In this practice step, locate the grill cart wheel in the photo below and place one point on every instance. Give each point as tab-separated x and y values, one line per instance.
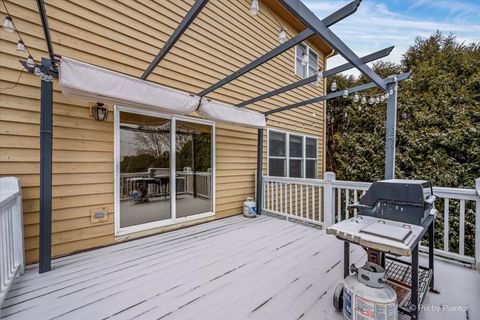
338	297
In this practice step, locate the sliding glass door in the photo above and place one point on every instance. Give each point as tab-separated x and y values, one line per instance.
164	169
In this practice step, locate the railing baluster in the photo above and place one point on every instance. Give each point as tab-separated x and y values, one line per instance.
347	202
313	203
446	229
355	200
339	205
296	200
276	196
320	204
290	198
462	228
301	201
307	213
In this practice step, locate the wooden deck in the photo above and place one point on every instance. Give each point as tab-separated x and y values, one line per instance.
235	268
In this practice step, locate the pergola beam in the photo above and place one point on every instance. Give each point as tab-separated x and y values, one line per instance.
301	12
46	29
302	36
339	93
368	58
342	13
187	20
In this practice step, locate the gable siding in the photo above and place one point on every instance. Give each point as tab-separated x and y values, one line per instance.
125	36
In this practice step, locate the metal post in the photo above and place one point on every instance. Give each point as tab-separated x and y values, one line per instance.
431	253
45	253
259	171
414	293
346	259
328	199
390	135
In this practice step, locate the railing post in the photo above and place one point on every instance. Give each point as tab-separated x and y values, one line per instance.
259	179
477	224
328	199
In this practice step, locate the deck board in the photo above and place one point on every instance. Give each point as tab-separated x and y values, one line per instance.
234	268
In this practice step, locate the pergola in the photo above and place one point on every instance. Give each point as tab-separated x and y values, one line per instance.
313	27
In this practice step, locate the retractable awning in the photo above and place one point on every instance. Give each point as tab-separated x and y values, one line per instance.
225	113
92	83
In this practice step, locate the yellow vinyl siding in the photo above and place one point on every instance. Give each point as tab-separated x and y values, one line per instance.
125	36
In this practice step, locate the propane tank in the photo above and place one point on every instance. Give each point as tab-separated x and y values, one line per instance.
366	295
249	208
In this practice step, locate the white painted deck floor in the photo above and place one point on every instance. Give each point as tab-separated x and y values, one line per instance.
234	268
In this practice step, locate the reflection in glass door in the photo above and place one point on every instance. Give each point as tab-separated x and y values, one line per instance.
164	169
193	168
144	169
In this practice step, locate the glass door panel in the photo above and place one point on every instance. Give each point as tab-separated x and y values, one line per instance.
193	168
144	169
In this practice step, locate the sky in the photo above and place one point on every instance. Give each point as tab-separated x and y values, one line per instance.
379	24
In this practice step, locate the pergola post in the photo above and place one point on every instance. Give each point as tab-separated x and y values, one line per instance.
45	244
258	196
390	135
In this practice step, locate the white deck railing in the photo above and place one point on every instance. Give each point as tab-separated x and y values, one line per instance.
324	202
11	233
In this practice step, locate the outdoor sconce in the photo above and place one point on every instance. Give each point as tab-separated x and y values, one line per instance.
99	112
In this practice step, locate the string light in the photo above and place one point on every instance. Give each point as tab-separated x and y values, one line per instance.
364	100
370	100
377	99
254	7
382	98
345	93
8	24
333	87
356	97
282	36
30	62
20	46
387	95
37	71
390	92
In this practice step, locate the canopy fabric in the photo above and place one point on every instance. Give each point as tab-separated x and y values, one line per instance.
92	83
230	114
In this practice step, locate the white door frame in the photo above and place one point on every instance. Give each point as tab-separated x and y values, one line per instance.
173	219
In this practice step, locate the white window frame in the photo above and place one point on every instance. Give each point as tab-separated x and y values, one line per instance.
308	64
119	231
287	152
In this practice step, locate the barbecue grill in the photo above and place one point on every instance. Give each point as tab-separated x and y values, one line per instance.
392	217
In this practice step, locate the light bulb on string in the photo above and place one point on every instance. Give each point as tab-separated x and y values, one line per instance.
377	100
333	87
8	24
282	36
304	59
382	98
359	107
30	62
345	93
43	76
364	100
390	92
254	7
370	100
356	97
387	95
50	78
20	46
37	71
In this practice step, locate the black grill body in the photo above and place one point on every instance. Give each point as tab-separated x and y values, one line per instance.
408	201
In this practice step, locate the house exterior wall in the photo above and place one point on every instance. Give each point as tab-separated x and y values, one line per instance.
124	36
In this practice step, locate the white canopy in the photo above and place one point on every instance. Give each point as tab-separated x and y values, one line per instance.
226	113
97	84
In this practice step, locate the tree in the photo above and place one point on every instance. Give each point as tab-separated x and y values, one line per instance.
438	125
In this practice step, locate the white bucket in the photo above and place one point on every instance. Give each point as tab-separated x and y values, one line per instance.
249	208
